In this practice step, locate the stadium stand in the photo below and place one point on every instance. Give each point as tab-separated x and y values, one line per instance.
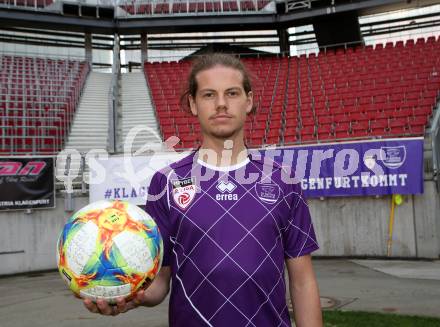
386	91
367	92
192	7
26	3
38	97
164	81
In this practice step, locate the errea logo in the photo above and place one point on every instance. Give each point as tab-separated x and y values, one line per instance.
226	187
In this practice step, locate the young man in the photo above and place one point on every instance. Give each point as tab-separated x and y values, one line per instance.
230	224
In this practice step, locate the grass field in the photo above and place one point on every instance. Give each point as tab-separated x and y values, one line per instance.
367	319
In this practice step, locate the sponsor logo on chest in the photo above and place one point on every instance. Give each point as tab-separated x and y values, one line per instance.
226	188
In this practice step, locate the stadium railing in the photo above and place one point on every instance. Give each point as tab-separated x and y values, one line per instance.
113	99
292	5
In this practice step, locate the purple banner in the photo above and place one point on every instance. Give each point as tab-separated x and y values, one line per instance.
353	169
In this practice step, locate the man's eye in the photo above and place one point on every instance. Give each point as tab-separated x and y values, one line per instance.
208	95
232	93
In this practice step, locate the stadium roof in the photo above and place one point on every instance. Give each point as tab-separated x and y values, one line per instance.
261	20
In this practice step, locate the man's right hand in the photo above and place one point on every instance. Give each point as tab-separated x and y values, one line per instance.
153	295
103	307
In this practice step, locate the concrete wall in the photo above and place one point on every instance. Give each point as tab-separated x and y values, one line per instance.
28	241
359	226
344	227
427	222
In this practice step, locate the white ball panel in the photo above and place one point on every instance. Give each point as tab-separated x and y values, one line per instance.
106	292
137	213
134	250
81	247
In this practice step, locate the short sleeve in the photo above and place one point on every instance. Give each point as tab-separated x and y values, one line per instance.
298	233
157	207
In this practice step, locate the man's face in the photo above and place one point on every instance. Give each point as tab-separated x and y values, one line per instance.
221	103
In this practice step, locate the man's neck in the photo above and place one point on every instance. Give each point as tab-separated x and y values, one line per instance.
228	152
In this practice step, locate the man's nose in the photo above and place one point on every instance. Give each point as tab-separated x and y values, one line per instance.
221	102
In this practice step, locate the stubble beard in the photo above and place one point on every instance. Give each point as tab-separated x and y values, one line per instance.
223	133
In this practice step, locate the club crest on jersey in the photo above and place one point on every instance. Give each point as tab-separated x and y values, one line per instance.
184	191
268	193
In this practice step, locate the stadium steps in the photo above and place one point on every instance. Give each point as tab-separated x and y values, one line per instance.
90	125
137	111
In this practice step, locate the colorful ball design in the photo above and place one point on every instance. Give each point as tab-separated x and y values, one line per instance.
109	249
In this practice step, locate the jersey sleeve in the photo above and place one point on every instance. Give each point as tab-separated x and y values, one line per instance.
298	233
157	207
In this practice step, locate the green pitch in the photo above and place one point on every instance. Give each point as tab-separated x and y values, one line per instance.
367	319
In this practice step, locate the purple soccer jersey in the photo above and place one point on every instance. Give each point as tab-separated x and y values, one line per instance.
227	232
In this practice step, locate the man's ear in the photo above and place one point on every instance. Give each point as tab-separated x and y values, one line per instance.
250	102
192	105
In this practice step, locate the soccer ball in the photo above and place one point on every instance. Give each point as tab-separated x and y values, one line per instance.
109	249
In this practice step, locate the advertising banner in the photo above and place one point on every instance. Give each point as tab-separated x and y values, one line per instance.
358	168
365	168
27	183
126	178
